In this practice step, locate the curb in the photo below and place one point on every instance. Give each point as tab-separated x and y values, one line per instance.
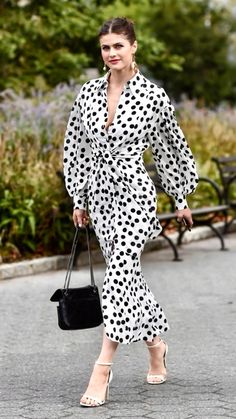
34	266
52	263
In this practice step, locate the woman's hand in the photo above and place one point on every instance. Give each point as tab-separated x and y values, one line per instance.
80	217
185	216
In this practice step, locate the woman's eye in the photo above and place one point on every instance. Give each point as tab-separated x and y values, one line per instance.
117	46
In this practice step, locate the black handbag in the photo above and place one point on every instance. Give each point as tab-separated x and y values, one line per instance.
78	308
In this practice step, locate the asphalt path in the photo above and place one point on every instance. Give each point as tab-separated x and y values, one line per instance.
45	370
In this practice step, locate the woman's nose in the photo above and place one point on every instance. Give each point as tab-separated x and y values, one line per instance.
112	53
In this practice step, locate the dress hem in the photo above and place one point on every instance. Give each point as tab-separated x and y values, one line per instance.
138	340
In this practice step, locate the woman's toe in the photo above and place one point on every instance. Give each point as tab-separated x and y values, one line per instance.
84	400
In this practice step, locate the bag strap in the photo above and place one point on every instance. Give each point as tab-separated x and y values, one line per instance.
88	235
72	256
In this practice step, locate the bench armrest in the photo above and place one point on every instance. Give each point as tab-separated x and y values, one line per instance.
215	186
231	180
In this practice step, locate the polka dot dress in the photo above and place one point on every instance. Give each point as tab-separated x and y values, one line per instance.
105	173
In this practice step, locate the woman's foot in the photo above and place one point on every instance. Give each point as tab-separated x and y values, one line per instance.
157	368
96	392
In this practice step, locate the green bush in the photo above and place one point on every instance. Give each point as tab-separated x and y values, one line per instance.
34	207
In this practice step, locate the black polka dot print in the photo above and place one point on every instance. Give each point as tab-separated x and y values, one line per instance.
104	173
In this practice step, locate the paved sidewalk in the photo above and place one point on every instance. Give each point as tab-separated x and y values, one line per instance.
44	370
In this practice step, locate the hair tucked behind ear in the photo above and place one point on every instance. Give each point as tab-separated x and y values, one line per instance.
119	25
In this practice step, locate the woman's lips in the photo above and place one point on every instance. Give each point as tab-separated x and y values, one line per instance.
114	61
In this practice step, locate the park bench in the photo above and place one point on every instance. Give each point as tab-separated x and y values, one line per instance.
227	171
209	191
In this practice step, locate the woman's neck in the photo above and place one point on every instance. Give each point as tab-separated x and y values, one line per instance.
120	77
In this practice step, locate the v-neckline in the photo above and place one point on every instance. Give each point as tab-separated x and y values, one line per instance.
106	95
116	110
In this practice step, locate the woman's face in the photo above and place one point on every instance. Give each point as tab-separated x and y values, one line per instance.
117	52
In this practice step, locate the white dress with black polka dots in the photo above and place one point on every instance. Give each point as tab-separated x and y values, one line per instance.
104	172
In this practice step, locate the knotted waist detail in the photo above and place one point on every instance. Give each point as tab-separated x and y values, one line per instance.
109	156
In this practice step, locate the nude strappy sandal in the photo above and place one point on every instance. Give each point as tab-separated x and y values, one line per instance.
158	378
95	401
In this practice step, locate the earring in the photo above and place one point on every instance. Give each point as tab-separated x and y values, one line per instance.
104	67
134	65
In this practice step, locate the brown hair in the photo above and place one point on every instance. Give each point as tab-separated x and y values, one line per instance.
119	25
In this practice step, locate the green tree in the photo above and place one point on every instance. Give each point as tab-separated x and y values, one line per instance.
45	42
200	33
51	41
184	44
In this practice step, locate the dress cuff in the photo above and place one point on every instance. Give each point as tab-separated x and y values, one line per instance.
181	203
80	202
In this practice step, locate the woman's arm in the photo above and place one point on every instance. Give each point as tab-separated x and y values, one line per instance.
77	156
174	160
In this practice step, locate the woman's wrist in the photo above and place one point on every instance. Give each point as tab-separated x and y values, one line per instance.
80	202
181	203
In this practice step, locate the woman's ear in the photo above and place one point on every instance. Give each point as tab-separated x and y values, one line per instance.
134	47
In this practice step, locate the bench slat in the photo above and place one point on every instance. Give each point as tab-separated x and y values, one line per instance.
208	210
229	169
196	211
224	159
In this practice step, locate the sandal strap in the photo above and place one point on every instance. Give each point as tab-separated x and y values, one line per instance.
108	364
151	378
156	344
161	376
95	399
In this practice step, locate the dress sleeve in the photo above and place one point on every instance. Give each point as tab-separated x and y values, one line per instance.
77	155
173	158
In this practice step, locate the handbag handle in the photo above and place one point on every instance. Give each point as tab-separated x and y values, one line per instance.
72	256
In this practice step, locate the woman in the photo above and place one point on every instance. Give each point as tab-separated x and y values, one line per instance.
113	121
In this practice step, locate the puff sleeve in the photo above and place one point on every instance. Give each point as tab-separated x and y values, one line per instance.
77	156
174	160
